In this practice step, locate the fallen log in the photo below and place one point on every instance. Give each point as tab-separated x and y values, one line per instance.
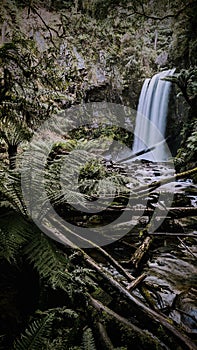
104	253
145	293
143	336
104	337
147	314
143	190
171	234
141	309
177	212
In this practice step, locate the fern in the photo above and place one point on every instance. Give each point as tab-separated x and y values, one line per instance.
11	193
14	234
88	340
44	255
60	312
59	338
36	334
53	266
63	281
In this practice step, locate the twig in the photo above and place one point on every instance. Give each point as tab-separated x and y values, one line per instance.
136	282
186	247
156	18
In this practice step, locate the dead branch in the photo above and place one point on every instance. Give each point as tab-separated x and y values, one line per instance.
141	251
141	309
131	286
187	248
142	335
103	252
150	315
157	18
104	337
178	212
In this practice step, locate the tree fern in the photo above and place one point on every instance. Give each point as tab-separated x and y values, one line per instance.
36	334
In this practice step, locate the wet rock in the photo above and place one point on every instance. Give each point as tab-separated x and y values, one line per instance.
174	273
185	305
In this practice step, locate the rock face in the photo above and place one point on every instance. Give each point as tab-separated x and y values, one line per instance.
106	58
177	111
104	52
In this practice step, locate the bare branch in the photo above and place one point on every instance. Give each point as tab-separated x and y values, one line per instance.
156	18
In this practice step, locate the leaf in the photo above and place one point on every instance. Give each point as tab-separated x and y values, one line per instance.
14	234
44	255
36	334
88	340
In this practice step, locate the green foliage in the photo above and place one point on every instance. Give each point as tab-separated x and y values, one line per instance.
186	80
14	235
35	335
186	156
14	133
28	96
42	332
192	144
88	340
45	257
183	47
11	192
96	179
37	82
104	132
20	239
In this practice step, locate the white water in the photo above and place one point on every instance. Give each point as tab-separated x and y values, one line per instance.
151	117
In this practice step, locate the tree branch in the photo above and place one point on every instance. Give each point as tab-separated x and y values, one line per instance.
156	18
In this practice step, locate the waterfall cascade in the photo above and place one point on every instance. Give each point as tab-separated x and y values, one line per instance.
151	117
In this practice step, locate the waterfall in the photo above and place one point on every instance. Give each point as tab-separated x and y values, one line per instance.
151	117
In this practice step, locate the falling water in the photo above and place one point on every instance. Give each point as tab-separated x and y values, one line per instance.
151	117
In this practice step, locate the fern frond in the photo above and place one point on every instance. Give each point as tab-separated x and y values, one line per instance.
14	133
62	280
88	340
11	192
60	312
36	334
52	265
14	234
44	255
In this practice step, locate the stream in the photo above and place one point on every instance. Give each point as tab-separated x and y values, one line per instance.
170	265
